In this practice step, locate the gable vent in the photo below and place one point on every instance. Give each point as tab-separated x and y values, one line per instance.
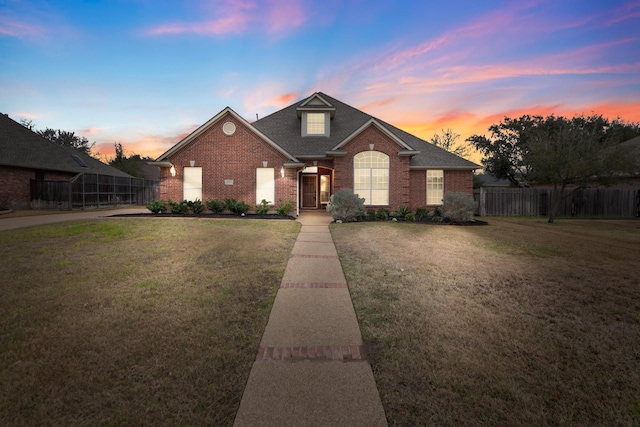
229	128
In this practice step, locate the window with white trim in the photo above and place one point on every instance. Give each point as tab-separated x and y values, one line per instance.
265	185
315	124
371	177
435	186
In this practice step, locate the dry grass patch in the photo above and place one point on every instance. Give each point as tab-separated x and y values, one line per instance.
134	321
517	323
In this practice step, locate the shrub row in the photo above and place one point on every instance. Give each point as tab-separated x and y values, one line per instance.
217	206
346	206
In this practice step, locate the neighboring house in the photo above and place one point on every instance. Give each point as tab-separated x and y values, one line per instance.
487	180
305	153
26	156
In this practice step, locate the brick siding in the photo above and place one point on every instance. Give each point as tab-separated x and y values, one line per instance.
15	185
398	166
224	157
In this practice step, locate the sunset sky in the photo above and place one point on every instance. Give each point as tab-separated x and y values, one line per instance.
147	72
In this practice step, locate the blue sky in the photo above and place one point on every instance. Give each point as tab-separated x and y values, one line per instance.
147	72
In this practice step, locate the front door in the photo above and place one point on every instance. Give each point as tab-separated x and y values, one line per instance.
309	191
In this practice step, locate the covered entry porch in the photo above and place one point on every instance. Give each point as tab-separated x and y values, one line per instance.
316	187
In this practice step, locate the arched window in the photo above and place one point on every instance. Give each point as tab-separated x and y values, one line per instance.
371	177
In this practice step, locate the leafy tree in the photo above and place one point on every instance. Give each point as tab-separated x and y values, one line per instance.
448	140
130	164
558	151
67	138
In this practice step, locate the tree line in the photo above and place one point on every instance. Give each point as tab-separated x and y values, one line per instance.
565	153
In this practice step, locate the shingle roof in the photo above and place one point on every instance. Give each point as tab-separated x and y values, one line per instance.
283	127
22	147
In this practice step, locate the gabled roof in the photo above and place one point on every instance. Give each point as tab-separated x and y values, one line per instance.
164	158
21	147
283	126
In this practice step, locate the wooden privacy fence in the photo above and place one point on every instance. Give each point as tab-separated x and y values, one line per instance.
92	191
589	202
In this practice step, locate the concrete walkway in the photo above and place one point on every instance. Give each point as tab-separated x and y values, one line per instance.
310	368
27	221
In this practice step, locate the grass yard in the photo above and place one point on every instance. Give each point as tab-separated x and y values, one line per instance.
517	323
134	321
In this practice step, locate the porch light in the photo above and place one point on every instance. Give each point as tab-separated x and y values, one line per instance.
282	171
172	170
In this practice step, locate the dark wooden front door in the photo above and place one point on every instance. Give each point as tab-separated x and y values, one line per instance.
309	191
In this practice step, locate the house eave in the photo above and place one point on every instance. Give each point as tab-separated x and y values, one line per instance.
161	164
377	124
408	153
470	168
294	165
336	153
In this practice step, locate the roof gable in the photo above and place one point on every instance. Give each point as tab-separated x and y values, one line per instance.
283	127
211	122
378	125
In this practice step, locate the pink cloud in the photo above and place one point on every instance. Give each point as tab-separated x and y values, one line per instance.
19	29
237	16
284	99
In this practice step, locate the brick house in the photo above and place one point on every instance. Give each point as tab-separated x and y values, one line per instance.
307	151
26	156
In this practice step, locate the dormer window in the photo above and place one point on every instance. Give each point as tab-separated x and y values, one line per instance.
316	114
315	124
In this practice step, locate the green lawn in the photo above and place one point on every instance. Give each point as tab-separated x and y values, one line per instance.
518	323
134	321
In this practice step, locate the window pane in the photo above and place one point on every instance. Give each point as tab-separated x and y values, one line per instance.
435	187
371	177
265	185
315	123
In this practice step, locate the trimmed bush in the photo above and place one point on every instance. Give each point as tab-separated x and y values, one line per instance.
178	207
196	206
422	214
156	206
458	207
370	214
284	208
382	214
263	207
345	205
215	206
236	207
403	211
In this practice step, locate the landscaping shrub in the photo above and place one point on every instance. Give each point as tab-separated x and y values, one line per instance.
178	207
263	207
196	206
236	207
410	217
284	208
157	206
437	215
403	211
370	214
422	214
382	214
458	207
215	206
345	205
